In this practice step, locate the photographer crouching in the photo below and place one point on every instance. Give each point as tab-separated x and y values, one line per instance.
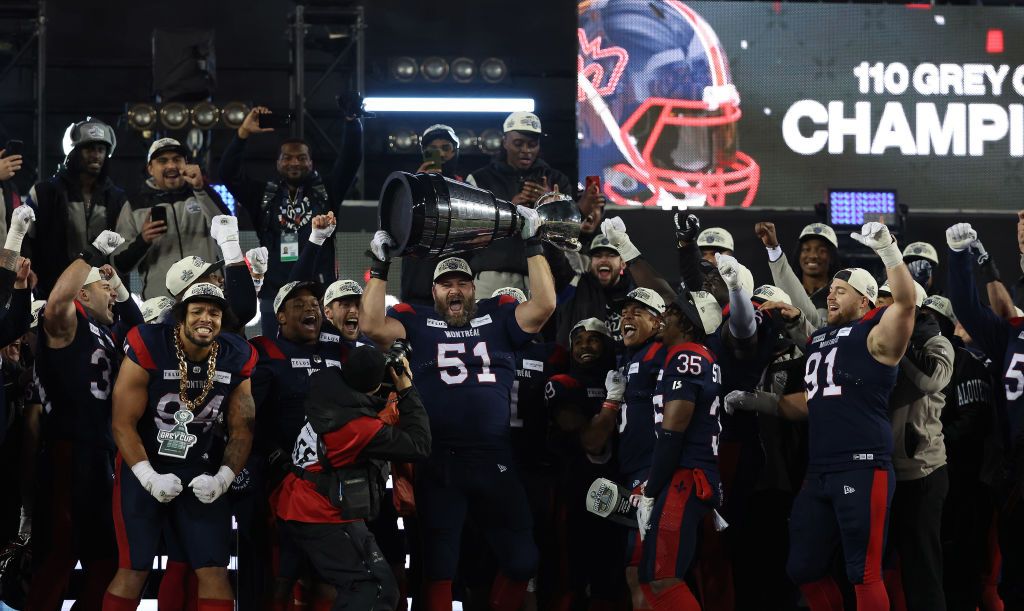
340	471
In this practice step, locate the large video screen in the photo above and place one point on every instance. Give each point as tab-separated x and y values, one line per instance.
772	104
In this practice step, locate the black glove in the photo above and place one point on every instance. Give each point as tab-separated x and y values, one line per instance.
987	268
687	226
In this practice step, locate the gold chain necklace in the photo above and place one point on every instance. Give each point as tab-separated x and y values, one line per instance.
211	371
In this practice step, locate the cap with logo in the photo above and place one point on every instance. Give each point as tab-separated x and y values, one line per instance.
154	309
941	306
819	230
86	132
439	130
37	309
602	242
595	325
715	237
186	271
919	293
648	298
512	292
526	122
861	280
770	292
342	288
701	309
286	291
203	291
921	250
452	265
163	145
94	276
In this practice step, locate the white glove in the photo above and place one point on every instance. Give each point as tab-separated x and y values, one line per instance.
531	221
644	509
25	523
258	258
224	229
107	241
615	230
318	236
876	236
381	245
729	268
208	488
21	222
163	486
122	292
960	236
758	401
615	384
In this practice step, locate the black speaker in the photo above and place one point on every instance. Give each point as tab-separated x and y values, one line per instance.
184	65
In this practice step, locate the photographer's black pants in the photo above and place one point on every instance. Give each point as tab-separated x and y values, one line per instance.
347	557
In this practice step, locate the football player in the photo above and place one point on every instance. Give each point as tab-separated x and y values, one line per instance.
463	363
180	386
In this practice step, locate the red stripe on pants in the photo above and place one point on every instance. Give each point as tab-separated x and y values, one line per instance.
876	538
124	556
666	550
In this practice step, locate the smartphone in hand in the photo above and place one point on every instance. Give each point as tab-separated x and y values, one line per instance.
276	120
13	147
434	157
158	213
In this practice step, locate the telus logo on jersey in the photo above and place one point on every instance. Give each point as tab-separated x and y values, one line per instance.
438	324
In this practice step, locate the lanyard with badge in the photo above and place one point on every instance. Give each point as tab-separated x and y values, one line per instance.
176	442
290	219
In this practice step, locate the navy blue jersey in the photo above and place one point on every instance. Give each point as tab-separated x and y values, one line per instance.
152	348
465	374
76	382
535	363
691	374
636	414
847	398
280	383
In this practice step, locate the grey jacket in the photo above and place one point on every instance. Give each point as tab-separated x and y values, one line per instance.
916	427
785	278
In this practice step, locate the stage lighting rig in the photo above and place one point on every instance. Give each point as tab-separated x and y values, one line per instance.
463	69
205	115
493	70
142	117
403	141
174	115
434	69
233	114
490	141
404	69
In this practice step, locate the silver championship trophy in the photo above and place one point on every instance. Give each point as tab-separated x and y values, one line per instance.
610	500
431	216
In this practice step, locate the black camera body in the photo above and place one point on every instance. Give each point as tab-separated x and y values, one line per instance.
393	357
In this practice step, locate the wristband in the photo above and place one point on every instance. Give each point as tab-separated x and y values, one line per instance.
774	253
257	284
232	252
534	247
379	269
890	255
987	269
14	240
612	405
92	255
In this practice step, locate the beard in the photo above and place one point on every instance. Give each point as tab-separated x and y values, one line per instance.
456	320
202	343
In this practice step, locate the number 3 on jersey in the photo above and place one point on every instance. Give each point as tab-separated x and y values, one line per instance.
448	359
811	375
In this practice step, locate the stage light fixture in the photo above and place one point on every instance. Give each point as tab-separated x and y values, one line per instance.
493	70
403	141
490	141
434	69
467	140
463	70
205	115
450	105
174	115
142	116
404	69
233	114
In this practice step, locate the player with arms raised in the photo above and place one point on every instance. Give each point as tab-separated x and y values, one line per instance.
463	361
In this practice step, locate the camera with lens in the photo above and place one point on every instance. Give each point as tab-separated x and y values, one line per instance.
351	104
399	350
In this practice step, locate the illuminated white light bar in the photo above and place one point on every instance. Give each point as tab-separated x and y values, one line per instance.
448	104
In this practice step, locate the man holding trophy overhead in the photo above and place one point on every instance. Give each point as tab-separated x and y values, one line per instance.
462	361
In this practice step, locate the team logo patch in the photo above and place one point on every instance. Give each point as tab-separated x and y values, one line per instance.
849	490
440	324
193	207
844	331
302	363
480	321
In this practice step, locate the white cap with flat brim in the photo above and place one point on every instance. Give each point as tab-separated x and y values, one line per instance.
941	306
342	288
861	280
648	298
186	271
452	265
511	291
770	292
715	237
919	293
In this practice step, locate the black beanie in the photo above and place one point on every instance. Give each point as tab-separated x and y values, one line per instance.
364	369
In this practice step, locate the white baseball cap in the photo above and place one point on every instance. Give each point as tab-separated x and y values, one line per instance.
452	264
940	305
919	293
186	271
715	237
861	280
526	122
648	298
154	309
770	292
285	291
94	276
923	250
165	144
601	241
590	324
512	292
37	309
701	309
341	288
439	130
819	230
203	291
